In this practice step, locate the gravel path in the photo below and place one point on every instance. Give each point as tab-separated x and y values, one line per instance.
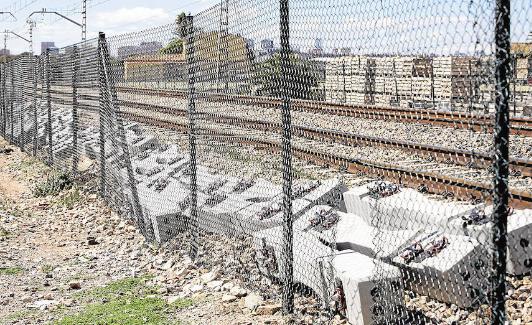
61	257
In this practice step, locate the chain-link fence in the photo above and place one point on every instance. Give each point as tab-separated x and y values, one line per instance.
368	159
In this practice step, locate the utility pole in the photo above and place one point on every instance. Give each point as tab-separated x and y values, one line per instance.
83	25
5	46
31	25
223	50
84	21
17	35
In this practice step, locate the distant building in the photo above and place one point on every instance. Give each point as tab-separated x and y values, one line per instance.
154	66
150	47
316	52
266	46
5	52
250	43
345	51
46	45
523	49
318	43
127	51
143	48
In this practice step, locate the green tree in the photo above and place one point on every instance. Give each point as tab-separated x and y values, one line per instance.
301	79
176	45
181	25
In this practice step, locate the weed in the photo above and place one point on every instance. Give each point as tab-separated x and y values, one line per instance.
70	199
10	270
15	212
47	268
18	315
126	301
120	288
3	233
53	185
131	311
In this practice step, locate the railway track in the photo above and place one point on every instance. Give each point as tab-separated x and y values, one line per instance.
431	182
462	120
519	167
518	125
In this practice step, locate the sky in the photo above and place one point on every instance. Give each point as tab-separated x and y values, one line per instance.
110	16
366	26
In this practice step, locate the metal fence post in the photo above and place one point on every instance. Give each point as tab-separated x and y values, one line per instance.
49	109
288	292
110	85
501	130
193	221
3	93
75	120
35	121
12	103
22	136
103	102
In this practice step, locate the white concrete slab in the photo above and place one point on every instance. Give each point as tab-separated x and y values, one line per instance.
309	253
520	242
353	233
367	303
407	209
458	274
223	217
328	192
142	143
262	190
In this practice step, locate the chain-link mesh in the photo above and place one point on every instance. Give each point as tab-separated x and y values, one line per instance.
336	156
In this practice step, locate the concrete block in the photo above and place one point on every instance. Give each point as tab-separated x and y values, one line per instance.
405	209
456	274
320	221
327	192
142	143
166	227
236	215
223	218
165	202
519	235
366	302
309	268
92	149
168	210
354	204
238	186
155	165
520	242
261	191
263	215
476	224
353	233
